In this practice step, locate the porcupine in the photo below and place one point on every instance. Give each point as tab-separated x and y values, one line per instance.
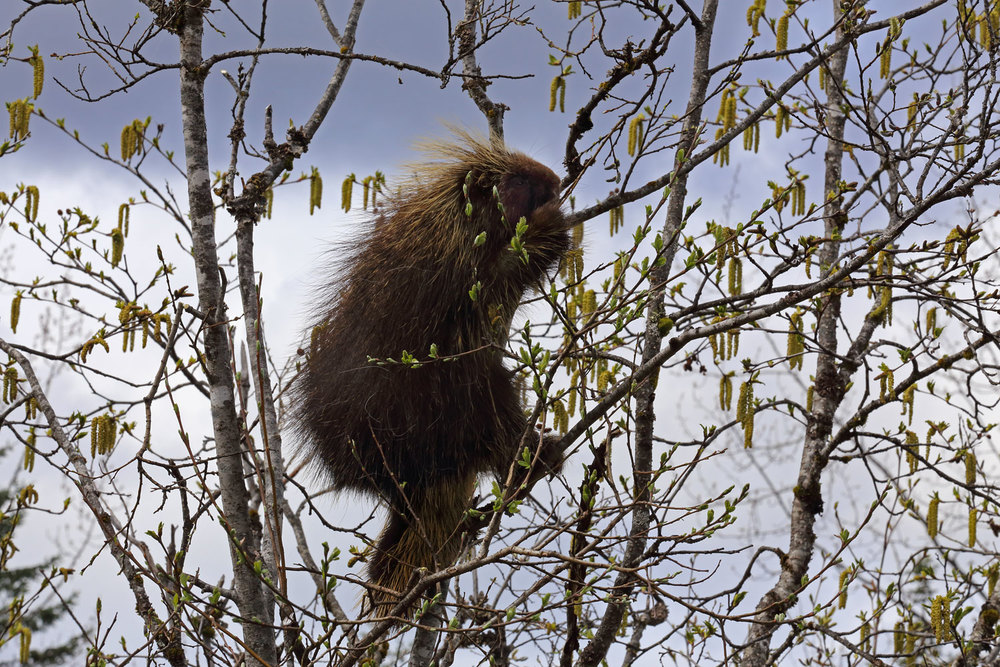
436	269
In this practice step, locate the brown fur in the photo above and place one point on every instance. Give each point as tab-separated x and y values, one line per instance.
417	438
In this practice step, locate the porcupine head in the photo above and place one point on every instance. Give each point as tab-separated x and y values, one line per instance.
435	280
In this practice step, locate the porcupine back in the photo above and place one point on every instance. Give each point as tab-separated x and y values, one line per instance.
417	437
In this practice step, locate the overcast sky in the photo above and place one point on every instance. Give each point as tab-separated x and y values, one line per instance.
380	113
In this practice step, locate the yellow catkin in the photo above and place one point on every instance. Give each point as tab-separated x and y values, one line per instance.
560	418
127	142
796	341
24	111
635	133
123	218
782	33
597	369
617	218
269	202
605	380
885	307
9	385
315	191
723	109
29	457
963	20
117	246
722	243
726	392
911	113
161	318
748	431
15	311
732	343
895	27
810	393
94	428
842	600
557	83
741	402
911	646
941	618
745	412
970	468
567	267
723	154
20	118
132	139
103	432
899	638
992	575
140	134
575	381
779	120
754	14
907	400
886	383
932	516
735	276
751	138
973	516
936	617
911	451
25	652
37	72
574	9
885	61
31	196
346	190
377	184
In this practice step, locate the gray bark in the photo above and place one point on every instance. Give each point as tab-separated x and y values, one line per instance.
167	639
251	601
829	390
645	393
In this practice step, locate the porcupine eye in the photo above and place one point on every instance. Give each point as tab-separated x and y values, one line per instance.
520	197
